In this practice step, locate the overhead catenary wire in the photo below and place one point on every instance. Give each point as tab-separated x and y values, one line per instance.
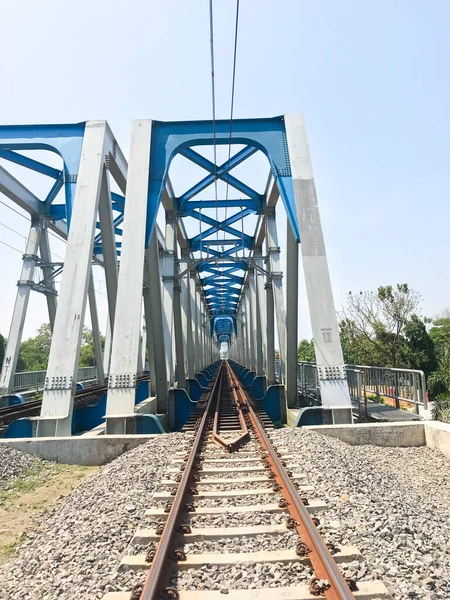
25	238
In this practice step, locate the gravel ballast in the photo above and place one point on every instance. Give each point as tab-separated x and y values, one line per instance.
392	503
14	464
75	551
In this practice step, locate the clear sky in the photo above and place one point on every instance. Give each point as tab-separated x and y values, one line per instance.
372	79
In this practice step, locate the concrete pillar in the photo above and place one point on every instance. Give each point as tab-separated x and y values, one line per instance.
155	324
168	279
108	247
270	334
44	249
20	310
96	331
261	310
329	357
273	252
291	317
127	322
59	391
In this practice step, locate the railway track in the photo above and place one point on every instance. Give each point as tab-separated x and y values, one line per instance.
83	397
235	474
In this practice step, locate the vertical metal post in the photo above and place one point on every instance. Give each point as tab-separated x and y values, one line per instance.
20	310
59	391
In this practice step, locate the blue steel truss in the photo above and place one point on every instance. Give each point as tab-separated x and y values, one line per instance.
223	271
65	140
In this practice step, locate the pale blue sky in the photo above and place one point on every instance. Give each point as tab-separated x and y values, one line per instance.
372	79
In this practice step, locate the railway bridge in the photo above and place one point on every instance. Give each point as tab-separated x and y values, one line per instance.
201	350
208	283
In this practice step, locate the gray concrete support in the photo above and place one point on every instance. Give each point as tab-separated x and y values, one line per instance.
270	317
44	249
20	309
155	327
261	309
273	252
291	317
329	357
108	248
57	403
96	331
127	322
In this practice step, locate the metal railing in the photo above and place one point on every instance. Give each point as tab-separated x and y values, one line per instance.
35	380
406	387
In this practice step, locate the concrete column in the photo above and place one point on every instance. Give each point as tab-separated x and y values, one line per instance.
155	324
291	317
59	392
178	329
261	310
20	310
168	278
107	351
329	357
150	341
187	305
44	249
108	248
270	334
127	322
96	331
256	320
273	252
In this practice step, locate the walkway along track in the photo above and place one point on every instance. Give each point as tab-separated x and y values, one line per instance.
227	423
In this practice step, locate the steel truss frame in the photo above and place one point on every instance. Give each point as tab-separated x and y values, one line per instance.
197	292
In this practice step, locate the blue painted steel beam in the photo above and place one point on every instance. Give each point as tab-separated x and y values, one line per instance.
212	204
29	163
218	172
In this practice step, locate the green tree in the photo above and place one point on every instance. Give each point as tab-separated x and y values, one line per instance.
87	353
306	352
440	332
374	323
419	350
34	352
2	349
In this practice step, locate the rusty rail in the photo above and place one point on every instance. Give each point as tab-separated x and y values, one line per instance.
216	437
328	576
161	565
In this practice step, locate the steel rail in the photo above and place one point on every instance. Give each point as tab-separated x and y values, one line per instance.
217	438
27	409
321	559
160	565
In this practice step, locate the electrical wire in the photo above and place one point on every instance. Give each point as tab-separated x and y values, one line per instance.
25	238
12	247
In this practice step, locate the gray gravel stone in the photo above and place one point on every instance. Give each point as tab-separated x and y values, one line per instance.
76	549
14	463
392	503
